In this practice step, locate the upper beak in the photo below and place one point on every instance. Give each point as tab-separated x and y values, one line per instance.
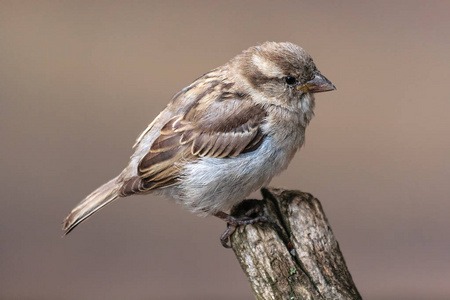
318	84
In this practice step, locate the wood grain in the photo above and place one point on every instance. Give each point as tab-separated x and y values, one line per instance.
299	257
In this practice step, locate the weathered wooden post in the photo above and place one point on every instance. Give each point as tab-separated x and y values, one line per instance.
300	259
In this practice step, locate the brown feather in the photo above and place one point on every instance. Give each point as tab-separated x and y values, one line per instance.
165	142
188	136
209	145
255	143
221	143
191	134
163	174
243	142
155	161
199	144
168	128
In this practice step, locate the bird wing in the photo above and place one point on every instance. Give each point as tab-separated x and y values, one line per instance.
219	124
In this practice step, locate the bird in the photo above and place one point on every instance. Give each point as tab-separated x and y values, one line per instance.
222	137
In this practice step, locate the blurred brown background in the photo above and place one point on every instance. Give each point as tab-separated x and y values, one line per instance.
79	80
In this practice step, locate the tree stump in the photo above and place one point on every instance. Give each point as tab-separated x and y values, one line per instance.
298	258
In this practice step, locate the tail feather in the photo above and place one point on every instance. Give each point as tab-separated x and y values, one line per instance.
98	199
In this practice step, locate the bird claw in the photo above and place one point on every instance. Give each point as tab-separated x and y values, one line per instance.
225	237
233	223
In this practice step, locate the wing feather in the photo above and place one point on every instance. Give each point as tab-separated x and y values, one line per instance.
211	126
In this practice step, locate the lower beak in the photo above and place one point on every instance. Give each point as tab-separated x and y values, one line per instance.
317	85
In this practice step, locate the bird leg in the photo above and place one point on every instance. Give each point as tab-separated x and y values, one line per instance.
234	222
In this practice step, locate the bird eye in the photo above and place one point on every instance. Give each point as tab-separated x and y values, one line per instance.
290	80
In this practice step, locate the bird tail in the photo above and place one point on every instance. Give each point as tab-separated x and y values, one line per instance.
98	199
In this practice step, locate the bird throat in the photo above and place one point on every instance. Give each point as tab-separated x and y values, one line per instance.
306	107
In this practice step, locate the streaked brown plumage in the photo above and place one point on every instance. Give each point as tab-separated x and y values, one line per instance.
187	137
223	136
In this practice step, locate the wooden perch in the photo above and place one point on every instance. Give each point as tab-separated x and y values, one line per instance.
300	259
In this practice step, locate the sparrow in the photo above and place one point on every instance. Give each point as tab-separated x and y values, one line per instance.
222	137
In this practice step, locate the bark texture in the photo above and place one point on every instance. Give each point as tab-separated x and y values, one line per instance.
298	258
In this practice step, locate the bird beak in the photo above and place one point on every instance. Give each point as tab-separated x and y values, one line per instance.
317	85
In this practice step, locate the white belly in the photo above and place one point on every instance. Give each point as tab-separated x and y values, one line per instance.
214	184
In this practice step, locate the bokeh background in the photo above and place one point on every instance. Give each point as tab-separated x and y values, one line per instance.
79	80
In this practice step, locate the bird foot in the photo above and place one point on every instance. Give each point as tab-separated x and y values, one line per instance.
234	222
